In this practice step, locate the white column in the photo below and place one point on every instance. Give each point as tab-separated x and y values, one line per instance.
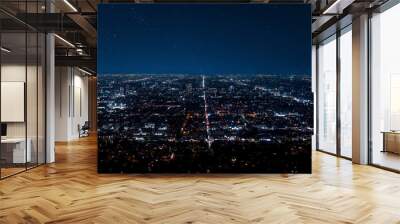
314	90
50	99
360	90
50	92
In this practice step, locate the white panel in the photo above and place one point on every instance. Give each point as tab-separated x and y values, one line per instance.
12	101
77	112
395	102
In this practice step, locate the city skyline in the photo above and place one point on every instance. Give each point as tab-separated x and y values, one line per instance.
204	88
185	123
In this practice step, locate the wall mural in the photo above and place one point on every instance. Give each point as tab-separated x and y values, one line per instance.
204	88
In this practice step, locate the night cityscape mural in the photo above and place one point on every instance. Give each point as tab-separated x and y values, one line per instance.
204	88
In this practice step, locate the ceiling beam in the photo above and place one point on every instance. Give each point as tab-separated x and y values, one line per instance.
85	25
78	61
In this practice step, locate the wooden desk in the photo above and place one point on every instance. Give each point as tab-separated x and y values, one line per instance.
13	150
391	141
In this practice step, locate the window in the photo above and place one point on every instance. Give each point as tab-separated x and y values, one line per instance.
346	92
385	89
327	95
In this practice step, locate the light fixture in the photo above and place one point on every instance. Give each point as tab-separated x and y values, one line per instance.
329	9
5	50
70	5
79	51
64	40
84	71
337	7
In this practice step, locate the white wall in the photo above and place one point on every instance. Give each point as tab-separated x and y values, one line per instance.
16	73
71	102
62	82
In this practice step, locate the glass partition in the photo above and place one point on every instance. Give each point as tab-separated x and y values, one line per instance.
22	91
14	153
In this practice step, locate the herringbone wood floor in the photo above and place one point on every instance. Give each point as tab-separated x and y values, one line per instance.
71	191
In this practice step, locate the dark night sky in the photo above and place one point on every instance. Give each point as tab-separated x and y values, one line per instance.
204	38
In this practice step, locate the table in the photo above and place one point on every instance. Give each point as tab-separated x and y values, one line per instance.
391	141
13	150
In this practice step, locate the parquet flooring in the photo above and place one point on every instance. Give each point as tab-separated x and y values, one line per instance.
71	191
5	172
